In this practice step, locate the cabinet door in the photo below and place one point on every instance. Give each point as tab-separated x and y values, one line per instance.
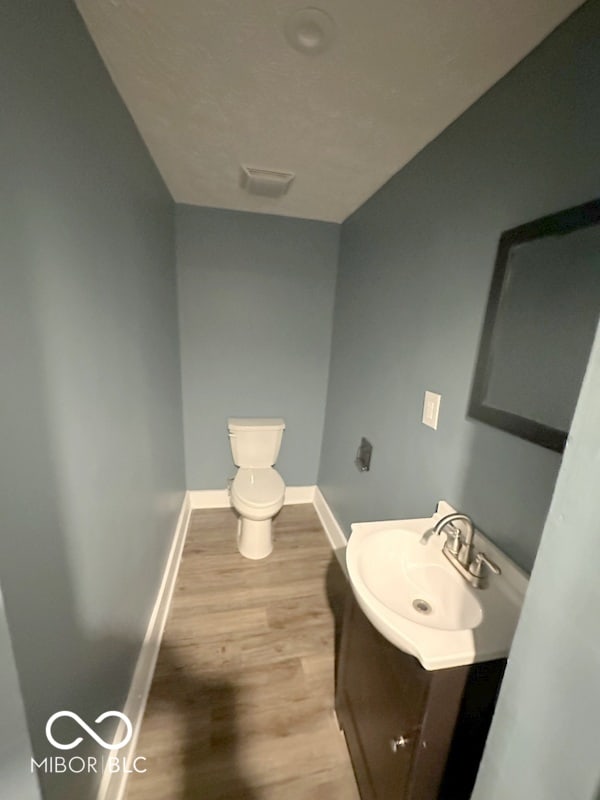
444	716
380	698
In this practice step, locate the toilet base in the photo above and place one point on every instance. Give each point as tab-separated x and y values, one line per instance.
254	538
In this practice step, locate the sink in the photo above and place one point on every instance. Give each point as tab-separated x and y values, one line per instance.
415	598
409	579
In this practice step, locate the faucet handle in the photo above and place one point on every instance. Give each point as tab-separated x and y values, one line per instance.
476	566
454	541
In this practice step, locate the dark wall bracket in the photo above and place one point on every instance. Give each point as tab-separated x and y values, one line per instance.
363	455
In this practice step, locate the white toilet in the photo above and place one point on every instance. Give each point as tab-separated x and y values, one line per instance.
257	490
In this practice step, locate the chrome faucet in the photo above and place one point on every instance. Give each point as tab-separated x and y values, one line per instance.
459	548
459	551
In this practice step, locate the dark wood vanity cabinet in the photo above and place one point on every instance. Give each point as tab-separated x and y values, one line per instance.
412	734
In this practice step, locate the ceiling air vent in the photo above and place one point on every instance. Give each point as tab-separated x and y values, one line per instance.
265	182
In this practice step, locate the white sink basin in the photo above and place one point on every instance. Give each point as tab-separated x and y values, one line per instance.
408	578
416	599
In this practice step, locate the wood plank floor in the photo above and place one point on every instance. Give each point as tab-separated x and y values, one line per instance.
241	707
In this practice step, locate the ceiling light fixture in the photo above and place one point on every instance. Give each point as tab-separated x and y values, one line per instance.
309	30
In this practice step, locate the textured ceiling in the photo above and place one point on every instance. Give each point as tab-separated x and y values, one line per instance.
212	84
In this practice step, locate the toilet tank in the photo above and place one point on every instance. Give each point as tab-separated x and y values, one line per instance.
255	441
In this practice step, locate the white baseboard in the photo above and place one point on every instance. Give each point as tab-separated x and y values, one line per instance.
331	526
209	498
112	785
219	498
299	494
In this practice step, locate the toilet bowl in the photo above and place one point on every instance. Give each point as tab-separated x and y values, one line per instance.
257	495
257	491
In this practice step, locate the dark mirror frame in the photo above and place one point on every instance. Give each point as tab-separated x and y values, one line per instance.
563	222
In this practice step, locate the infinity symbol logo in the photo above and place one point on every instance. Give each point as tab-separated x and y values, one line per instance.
88	730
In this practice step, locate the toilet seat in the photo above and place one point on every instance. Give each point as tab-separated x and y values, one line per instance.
258	488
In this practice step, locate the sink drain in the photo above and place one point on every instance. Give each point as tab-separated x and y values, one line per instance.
422	606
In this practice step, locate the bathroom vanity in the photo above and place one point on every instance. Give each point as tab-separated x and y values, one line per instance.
423	649
413	734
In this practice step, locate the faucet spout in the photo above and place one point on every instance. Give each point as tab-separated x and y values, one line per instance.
426	536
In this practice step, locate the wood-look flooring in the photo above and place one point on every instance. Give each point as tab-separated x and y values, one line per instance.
241	707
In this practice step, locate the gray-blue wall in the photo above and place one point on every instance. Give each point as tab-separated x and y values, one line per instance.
91	455
15	746
415	268
543	744
256	307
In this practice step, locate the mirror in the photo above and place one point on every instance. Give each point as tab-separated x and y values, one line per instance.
539	326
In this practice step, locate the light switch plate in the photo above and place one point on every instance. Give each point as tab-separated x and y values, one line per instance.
431	409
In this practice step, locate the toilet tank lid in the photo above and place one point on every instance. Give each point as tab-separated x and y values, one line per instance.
256	423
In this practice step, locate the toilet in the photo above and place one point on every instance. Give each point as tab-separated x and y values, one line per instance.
257	491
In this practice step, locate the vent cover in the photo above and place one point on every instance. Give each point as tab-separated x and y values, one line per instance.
265	182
